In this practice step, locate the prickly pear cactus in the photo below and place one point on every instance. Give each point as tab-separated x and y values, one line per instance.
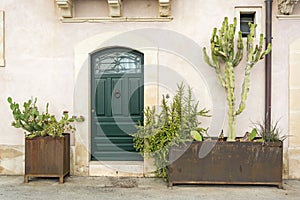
225	57
30	119
37	123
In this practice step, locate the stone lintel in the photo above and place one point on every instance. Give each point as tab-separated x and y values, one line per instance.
115	19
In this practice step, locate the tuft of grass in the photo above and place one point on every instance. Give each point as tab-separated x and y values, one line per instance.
272	135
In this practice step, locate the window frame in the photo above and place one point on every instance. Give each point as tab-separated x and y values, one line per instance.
246	17
257	19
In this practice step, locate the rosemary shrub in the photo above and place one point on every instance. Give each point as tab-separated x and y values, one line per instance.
171	126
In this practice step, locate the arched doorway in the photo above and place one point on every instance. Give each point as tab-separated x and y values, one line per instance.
117	102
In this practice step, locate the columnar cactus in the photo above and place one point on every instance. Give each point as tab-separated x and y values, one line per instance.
225	57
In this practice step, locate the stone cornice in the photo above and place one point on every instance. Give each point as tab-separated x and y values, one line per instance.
115	19
115	12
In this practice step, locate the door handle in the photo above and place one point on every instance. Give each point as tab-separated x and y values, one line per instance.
117	93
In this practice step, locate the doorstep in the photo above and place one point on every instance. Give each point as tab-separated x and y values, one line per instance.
116	168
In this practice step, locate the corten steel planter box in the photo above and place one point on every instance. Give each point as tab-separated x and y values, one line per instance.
226	163
47	157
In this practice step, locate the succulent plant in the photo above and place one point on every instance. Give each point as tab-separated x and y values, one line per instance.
36	123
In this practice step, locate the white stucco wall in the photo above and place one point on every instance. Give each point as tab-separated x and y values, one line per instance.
40	52
40	58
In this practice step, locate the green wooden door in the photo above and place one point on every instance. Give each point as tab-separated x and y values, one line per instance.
117	103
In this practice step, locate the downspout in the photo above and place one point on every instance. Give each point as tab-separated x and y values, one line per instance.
268	65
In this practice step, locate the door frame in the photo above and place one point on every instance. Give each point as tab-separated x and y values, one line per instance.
153	46
81	165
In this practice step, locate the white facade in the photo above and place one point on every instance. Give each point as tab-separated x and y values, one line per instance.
46	54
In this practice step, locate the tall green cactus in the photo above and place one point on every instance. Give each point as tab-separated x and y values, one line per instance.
225	57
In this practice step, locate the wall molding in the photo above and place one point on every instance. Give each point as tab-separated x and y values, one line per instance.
115	19
115	8
288	17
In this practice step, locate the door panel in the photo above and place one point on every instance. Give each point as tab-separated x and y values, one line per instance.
100	97
111	129
134	102
117	96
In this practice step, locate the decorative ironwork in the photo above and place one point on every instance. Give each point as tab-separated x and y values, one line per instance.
118	61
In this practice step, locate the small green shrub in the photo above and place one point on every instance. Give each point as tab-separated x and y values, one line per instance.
171	126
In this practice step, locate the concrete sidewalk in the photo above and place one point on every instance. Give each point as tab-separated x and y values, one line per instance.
87	188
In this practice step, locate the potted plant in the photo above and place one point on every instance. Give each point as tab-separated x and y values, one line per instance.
172	124
255	161
238	160
47	145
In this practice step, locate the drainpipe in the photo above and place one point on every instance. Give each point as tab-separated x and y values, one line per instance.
268	65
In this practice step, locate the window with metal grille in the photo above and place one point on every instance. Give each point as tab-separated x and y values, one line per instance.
118	60
245	18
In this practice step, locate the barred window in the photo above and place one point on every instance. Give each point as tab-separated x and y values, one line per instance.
245	18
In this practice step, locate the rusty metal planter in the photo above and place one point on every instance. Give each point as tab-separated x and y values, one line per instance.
47	157
212	162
